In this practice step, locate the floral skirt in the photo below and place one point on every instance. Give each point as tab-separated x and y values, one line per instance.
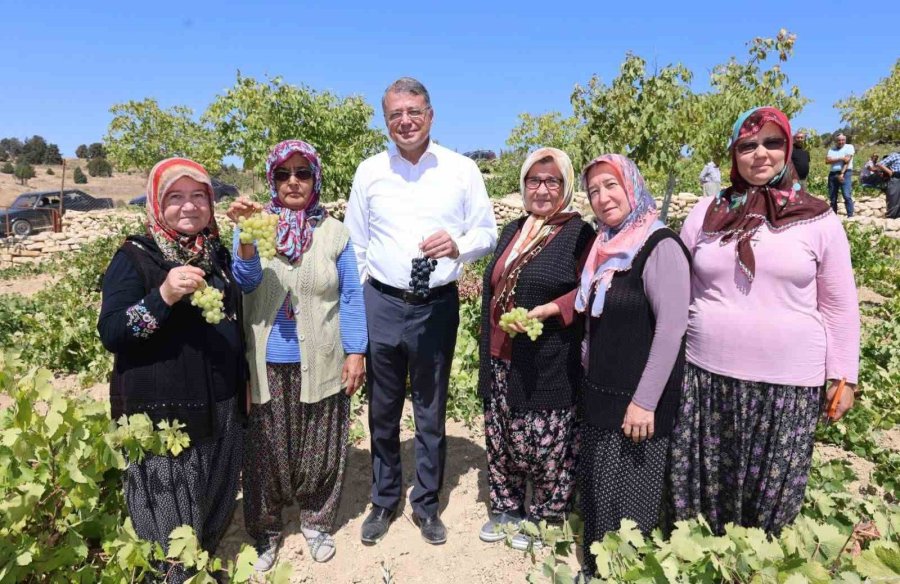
741	450
295	452
537	446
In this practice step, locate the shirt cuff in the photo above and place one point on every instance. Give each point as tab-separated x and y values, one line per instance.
144	318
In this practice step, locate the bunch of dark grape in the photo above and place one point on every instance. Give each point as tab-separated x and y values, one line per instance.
421	274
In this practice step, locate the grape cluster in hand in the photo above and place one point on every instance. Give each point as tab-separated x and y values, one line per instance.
421	274
260	228
533	327
209	300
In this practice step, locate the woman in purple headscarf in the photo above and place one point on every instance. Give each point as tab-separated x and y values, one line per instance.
306	339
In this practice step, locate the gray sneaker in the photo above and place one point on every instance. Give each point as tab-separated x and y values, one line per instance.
493	530
267	551
521	541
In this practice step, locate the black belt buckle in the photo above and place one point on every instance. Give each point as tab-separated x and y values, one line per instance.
411	297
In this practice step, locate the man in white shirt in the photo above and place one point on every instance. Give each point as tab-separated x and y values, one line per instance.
840	174
710	179
415	199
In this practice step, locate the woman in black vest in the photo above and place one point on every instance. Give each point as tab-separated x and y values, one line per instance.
635	289
172	364
529	386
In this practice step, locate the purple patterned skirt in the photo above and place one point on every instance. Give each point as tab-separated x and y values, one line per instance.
741	450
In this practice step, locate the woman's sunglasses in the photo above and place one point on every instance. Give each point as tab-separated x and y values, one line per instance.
303	173
768	144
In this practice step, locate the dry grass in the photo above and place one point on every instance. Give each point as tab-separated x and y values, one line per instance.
120	187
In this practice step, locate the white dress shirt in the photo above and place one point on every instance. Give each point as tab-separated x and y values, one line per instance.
395	205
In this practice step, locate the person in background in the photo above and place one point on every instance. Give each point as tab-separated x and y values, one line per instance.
889	166
800	158
710	179
870	176
840	174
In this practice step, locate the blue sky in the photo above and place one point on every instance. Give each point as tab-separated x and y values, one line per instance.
65	64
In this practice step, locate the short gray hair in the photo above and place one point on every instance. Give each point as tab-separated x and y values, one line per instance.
406	85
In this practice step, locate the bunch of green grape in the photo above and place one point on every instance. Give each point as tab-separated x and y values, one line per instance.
533	327
260	227
209	300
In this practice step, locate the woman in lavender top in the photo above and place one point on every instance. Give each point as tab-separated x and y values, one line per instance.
773	318
635	291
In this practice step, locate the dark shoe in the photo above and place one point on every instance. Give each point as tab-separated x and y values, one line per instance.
432	529
376	524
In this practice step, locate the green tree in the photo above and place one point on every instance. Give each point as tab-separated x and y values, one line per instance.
23	172
876	114
640	114
99	167
253	116
7	168
34	151
737	86
52	155
141	134
10	148
78	176
82	151
96	150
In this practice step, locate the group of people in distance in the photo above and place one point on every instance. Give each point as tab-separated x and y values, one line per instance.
674	376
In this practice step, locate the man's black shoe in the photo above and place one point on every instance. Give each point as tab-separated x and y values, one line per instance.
432	529
376	525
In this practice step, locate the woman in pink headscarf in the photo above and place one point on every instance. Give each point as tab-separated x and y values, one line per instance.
774	317
635	294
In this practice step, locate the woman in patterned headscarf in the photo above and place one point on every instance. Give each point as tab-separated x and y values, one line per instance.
635	291
171	364
528	386
773	317
306	336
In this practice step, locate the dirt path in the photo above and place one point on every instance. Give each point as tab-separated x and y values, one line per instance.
403	553
28	286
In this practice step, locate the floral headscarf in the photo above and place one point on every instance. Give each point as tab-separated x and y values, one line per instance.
741	209
177	247
294	233
615	247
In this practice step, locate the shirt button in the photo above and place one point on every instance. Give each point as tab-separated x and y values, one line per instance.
290	267
302	338
303	367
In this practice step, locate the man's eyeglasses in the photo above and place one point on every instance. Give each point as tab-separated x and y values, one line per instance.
768	144
303	173
416	115
534	183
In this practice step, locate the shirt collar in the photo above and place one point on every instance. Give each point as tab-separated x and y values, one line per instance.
393	152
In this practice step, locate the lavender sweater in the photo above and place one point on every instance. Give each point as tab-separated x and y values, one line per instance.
796	324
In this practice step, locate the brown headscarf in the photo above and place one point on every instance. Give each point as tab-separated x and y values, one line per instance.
741	209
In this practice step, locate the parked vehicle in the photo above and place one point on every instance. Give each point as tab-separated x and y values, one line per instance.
35	211
220	191
481	155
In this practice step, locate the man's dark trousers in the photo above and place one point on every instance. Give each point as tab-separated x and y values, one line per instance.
418	340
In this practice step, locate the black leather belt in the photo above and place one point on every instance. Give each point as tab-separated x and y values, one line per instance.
410	298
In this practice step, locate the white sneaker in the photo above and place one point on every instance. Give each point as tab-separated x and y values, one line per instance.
267	551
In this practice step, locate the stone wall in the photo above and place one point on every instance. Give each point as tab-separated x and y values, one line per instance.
81	228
